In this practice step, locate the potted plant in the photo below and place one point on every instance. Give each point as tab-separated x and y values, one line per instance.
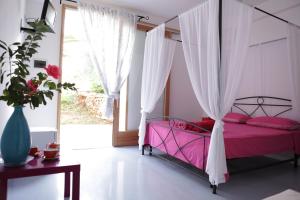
22	88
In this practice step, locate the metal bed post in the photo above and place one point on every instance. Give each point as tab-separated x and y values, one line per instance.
150	150
214	187
296	156
143	150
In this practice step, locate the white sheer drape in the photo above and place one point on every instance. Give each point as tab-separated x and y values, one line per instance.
111	35
216	86
157	64
294	67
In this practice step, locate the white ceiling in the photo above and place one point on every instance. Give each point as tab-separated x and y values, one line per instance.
169	8
165	9
160	8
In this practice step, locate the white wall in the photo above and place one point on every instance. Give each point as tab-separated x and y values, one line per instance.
273	57
266	28
183	102
266	70
49	51
11	13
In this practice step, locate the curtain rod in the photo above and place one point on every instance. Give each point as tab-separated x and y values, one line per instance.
279	18
171	19
256	8
140	17
267	42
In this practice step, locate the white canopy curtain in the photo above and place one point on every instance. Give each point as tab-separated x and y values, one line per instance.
216	85
158	57
293	39
111	35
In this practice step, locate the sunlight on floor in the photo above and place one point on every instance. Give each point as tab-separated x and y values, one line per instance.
86	136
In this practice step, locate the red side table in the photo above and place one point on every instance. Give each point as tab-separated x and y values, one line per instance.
37	167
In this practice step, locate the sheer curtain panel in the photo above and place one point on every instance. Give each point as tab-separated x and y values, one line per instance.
157	64
111	34
294	67
215	85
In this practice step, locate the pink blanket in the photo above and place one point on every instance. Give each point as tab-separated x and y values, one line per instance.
241	140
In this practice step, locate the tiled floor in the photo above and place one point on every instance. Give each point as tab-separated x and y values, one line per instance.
88	136
123	174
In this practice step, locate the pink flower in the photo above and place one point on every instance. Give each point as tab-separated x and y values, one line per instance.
32	86
53	71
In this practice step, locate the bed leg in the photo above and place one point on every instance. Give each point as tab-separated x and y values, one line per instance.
150	150
296	156
143	150
214	187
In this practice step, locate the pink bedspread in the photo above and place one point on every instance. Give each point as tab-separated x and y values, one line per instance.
241	140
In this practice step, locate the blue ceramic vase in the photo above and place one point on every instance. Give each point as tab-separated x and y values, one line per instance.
15	140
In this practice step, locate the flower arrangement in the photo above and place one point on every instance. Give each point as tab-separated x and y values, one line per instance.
19	88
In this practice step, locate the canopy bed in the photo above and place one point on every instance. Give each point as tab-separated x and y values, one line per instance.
215	37
189	141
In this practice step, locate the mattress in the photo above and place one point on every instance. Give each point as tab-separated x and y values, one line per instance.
241	140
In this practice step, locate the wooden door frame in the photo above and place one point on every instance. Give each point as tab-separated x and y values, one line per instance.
119	138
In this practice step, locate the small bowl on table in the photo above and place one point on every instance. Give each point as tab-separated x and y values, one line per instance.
53	145
51	154
34	151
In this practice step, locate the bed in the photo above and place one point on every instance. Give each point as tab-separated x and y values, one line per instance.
241	140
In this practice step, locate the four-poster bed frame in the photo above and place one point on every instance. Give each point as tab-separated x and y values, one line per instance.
248	105
220	43
256	8
220	19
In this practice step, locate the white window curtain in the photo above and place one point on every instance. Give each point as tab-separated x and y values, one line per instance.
216	85
294	67
158	57
111	34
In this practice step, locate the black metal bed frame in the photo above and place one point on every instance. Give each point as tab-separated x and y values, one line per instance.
261	103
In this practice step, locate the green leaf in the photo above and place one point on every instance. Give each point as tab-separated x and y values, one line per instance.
1	78
32	50
35	101
3	47
37	37
10	52
51	85
42	98
29	37
1	41
42	76
35	45
16	43
49	94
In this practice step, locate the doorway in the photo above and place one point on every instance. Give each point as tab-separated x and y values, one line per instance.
81	122
123	129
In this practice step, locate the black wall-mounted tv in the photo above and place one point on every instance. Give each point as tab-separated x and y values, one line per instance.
48	15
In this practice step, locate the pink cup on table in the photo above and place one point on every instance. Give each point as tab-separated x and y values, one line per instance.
51	153
53	145
33	151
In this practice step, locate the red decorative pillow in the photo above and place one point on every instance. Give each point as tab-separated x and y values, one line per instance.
179	124
236	118
274	122
207	125
189	127
207	119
